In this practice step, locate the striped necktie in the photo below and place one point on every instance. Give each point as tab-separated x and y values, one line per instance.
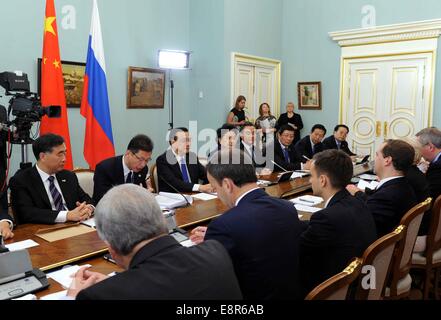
56	195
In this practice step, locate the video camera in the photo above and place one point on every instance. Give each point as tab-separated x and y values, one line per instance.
24	105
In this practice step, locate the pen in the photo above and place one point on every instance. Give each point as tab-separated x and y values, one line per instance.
306	157
304	200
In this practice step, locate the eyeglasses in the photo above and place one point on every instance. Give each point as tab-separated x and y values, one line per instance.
141	159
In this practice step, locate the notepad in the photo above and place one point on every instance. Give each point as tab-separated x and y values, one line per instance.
168	200
363	184
303	208
21	245
204	196
89	222
368	177
307	200
64	276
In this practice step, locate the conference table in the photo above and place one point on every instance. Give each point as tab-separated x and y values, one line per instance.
89	248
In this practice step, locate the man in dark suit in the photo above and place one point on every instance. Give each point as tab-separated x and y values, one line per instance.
338	140
307	147
339	232
260	232
430	140
252	146
285	156
156	266
178	168
46	193
128	168
394	196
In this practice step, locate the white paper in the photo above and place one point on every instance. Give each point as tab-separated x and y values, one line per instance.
27	297
89	222
303	208
363	184
368	177
64	276
22	245
296	174
307	200
187	243
172	200
60	295
204	196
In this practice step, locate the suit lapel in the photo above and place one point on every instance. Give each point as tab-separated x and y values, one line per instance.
39	185
119	170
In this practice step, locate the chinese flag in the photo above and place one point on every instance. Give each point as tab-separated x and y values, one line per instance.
52	85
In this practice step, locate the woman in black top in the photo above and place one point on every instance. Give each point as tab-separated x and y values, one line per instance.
291	118
237	117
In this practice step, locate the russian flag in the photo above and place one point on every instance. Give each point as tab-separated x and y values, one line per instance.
98	142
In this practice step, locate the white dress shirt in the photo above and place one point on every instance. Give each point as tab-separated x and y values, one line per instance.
386	180
126	170
62	215
243	195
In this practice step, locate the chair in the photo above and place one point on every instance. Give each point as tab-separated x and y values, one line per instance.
85	179
378	257
336	287
400	281
203	161
430	260
154	177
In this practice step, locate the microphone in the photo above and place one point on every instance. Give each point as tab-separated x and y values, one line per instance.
176	190
279	166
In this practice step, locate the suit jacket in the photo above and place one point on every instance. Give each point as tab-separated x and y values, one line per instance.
389	204
261	234
165	270
279	157
295	120
171	172
329	143
433	175
335	235
30	201
259	155
303	148
110	173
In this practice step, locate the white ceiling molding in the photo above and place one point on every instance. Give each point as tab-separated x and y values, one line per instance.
389	33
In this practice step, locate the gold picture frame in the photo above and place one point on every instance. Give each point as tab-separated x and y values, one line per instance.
310	95
145	88
73	77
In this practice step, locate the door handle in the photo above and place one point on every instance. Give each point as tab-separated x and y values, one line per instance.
378	129
385	129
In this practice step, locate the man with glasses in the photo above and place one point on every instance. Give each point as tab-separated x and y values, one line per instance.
46	193
128	168
179	170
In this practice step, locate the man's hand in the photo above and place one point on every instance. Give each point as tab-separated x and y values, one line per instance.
352	189
197	235
307	165
82	212
207	188
84	279
5	230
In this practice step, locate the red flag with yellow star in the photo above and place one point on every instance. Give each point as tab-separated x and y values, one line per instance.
52	84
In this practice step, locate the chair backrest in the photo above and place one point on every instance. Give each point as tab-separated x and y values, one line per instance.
85	179
433	242
377	257
336	287
154	177
402	258
203	161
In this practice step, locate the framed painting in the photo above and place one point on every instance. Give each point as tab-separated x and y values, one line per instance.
73	77
310	95
146	88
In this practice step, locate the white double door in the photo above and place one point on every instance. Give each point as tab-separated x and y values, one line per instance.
385	98
258	84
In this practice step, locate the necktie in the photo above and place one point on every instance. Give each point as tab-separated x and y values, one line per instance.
338	145
129	178
286	154
184	171
56	196
252	155
313	149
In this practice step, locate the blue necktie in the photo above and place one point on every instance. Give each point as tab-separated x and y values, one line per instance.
129	178
286	154
184	171
338	145
56	196
313	149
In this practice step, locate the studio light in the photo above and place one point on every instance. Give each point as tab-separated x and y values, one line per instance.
173	59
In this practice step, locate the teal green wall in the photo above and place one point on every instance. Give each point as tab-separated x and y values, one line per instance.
133	32
293	31
309	54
